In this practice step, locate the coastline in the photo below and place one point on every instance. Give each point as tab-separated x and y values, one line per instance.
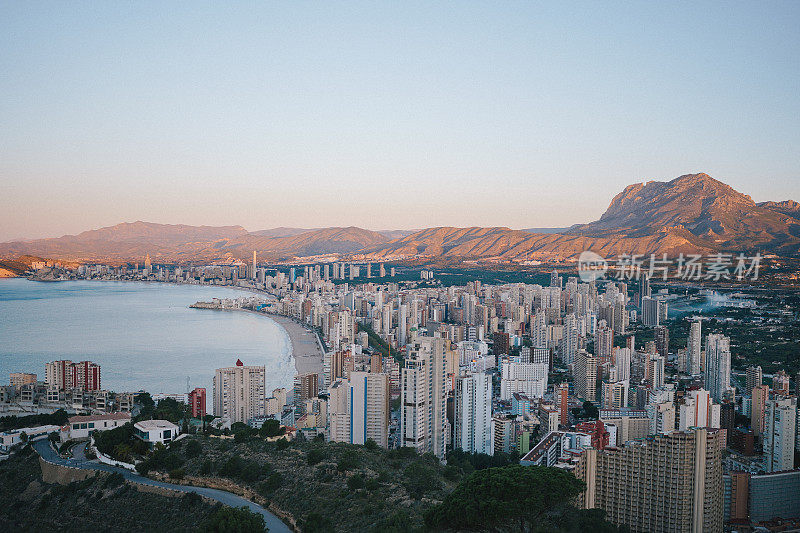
304	345
306	350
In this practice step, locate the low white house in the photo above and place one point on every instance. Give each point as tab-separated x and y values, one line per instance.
155	431
11	438
80	427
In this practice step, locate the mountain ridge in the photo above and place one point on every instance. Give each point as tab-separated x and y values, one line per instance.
693	213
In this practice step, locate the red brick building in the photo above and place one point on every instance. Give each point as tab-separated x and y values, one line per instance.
197	399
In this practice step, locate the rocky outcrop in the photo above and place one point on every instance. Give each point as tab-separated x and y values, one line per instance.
705	212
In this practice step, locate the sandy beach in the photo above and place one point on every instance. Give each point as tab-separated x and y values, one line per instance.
306	349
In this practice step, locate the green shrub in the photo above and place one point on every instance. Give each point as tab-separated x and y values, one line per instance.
192	449
243	435
406	452
271	484
497	497
316	523
452	473
315	456
355	482
189	500
271	428
419	478
399	522
114	480
232	467
177	473
348	461
233	520
58	418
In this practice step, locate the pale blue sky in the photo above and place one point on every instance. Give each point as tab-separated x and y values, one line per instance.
385	115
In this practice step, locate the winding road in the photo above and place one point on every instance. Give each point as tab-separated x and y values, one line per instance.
79	461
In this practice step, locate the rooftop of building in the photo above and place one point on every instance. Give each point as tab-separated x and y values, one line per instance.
146	425
94	418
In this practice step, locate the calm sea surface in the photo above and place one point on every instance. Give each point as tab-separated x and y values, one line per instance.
142	334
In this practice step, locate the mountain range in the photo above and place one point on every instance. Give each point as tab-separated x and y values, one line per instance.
693	213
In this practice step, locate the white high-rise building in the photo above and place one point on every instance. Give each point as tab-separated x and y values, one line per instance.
339	411
58	374
539	329
473	413
402	319
699	410
662	417
780	422
621	359
604	343
358	409
718	366
615	394
650	311
585	376
753	378
470	351
654	371
387	319
369	419
423	397
239	392
569	342
526	378
693	348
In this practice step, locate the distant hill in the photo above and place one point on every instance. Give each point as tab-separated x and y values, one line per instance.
288	232
392	234
690	214
9	268
280	232
129	241
507	245
312	242
544	230
787	207
165	242
693	213
705	212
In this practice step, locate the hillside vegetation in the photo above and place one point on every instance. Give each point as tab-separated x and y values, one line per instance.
327	486
104	503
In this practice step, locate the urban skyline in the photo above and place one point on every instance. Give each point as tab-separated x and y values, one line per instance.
374	266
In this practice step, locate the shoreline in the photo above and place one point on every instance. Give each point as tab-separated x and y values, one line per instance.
302	341
304	346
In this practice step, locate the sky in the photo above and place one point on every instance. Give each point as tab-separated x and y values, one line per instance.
385	115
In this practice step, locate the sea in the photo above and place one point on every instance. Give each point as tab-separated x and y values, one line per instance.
144	335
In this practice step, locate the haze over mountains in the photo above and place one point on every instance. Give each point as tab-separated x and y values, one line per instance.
690	214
